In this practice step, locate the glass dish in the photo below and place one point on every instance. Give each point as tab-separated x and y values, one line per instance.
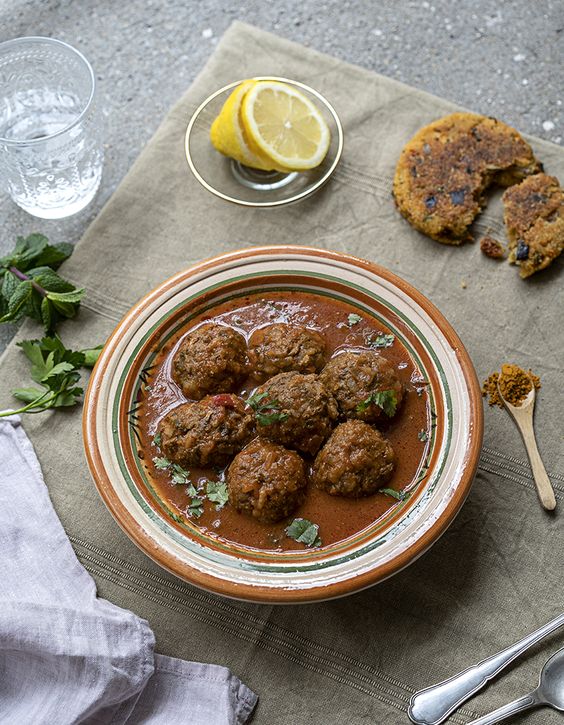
231	181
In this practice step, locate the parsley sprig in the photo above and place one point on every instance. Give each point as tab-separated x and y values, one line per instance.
56	370
266	412
30	286
385	399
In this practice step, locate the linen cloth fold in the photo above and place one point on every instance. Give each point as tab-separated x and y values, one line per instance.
67	656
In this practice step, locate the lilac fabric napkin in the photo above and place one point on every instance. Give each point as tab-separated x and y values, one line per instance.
67	656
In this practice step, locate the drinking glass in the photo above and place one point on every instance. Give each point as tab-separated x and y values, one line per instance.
50	131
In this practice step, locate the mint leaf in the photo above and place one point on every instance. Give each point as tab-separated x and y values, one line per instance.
305	532
32	287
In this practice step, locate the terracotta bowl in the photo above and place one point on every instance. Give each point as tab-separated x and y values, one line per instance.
372	555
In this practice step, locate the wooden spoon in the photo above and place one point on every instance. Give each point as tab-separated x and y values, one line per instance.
523	417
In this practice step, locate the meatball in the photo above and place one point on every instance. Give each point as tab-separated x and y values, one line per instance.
355	379
294	410
356	461
212	359
266	481
281	348
208	432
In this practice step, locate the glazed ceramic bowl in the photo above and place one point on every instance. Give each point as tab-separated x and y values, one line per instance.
117	389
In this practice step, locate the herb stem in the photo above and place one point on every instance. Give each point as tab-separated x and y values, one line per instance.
33	404
24	278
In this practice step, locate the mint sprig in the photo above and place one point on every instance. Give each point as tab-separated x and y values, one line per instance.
30	286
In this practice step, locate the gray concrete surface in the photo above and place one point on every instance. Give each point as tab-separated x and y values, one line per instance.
503	58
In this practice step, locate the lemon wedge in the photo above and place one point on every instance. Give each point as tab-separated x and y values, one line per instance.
284	125
228	134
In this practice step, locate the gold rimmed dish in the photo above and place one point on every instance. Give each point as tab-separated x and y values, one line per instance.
231	181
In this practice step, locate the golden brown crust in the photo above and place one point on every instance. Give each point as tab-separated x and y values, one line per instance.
534	217
444	169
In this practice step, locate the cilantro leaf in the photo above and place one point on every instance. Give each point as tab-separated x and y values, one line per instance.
305	532
216	492
157	440
354	319
385	399
423	436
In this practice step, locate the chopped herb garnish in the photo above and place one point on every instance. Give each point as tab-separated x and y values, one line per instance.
398	495
192	491
216	492
274	417
255	400
157	440
161	463
266	413
384	399
354	319
196	507
423	436
305	532
381	340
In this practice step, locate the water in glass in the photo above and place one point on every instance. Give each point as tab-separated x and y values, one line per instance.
50	141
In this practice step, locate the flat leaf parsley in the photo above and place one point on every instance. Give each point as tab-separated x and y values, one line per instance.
385	399
266	412
305	532
56	370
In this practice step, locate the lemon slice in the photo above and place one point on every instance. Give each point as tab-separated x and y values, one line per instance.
284	125
228	134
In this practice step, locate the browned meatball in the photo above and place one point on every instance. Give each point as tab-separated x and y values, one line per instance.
212	359
356	461
208	432
355	379
266	481
295	410
281	348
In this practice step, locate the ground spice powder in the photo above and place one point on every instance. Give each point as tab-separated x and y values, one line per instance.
515	384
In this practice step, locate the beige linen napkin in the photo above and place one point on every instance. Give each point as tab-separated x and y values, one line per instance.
497	572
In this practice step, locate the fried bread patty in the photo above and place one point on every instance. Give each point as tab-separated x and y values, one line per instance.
534	217
443	171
